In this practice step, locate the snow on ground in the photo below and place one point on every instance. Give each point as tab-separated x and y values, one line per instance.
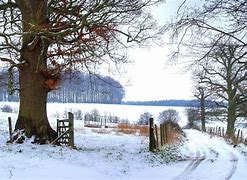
98	156
119	156
212	158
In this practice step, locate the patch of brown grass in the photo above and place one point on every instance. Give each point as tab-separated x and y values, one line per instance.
132	129
142	130
174	136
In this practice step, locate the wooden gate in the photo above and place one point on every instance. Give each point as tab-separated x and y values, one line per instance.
65	131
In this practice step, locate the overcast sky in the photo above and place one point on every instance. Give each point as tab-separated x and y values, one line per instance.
151	77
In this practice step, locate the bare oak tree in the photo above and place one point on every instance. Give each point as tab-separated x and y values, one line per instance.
202	30
226	78
43	38
202	93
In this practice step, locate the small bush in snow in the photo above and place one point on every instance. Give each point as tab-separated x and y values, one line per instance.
124	121
7	108
78	115
113	119
168	115
144	118
193	116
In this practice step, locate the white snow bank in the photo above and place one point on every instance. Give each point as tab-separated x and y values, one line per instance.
112	156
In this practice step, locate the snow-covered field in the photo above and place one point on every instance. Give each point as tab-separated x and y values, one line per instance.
132	113
119	156
113	155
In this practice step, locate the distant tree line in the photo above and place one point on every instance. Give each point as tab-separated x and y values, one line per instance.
172	102
78	88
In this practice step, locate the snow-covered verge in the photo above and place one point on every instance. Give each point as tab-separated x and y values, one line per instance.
112	155
97	156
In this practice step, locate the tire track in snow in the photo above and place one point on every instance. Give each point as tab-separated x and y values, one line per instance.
213	155
234	161
196	161
210	155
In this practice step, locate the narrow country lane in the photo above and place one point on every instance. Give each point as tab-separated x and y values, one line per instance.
211	158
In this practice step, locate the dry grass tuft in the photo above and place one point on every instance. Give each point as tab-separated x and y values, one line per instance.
142	130
132	129
174	136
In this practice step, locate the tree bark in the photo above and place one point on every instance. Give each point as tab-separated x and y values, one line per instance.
33	98
231	118
32	116
203	114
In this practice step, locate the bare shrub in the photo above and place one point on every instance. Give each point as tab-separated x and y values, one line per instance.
168	115
144	118
193	116
7	108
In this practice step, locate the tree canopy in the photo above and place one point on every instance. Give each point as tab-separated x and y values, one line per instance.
86	33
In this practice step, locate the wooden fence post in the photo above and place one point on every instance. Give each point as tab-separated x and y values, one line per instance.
241	136
10	130
166	127
164	133
161	135
157	137
238	134
71	129
57	126
151	135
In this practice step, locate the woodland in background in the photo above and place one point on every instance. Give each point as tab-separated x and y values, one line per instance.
80	88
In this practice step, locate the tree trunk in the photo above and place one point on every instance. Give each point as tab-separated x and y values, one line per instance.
203	114
33	98
32	116
231	118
